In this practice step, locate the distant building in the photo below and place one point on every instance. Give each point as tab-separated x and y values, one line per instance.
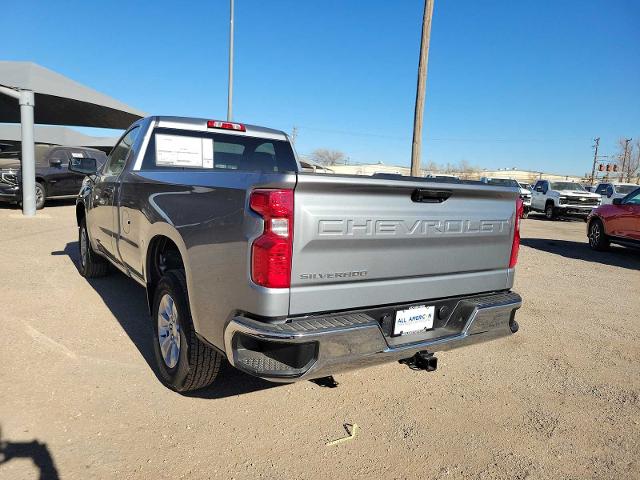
370	169
527	176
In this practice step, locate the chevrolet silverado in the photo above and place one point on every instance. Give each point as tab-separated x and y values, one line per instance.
292	275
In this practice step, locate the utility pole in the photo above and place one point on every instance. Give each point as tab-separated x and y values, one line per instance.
294	134
595	159
230	93
416	146
624	158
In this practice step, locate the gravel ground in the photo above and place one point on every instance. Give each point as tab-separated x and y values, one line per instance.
560	399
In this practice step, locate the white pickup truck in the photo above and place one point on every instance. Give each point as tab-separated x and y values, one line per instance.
608	191
563	199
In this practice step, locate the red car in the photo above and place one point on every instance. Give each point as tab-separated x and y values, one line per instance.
618	223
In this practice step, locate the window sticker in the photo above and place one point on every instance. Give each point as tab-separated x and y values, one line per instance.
181	151
77	155
207	152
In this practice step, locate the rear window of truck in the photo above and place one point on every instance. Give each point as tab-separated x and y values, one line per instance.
171	149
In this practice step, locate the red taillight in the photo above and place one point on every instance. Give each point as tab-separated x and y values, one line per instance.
271	251
225	125
515	247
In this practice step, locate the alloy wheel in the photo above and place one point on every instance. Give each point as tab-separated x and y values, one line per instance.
594	234
83	246
39	195
168	331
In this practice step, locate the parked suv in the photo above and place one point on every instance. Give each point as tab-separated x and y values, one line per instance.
618	222
610	190
563	198
53	177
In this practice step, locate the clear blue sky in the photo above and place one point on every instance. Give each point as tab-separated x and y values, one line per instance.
525	84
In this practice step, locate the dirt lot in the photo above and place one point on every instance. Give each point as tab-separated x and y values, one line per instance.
560	399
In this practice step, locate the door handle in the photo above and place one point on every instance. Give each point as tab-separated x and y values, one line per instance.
424	195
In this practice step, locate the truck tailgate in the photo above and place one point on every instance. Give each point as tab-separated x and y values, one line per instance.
363	241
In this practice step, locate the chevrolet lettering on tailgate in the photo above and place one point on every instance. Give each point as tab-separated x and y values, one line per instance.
420	227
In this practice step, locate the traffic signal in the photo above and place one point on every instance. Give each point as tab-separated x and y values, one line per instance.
615	168
608	167
601	167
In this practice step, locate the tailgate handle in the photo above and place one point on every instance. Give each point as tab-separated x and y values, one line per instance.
424	195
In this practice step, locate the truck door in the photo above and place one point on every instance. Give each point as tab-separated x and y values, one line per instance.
103	215
537	196
56	172
75	179
602	191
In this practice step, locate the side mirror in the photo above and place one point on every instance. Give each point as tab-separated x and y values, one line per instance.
85	166
617	201
545	190
55	162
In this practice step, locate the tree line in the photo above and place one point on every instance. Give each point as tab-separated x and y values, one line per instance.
628	160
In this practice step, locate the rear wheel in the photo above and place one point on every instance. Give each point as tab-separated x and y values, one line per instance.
597	238
550	212
92	265
184	362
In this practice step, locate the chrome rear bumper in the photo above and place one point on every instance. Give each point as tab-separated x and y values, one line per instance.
318	346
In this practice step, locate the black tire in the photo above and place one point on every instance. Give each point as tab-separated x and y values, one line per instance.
550	212
525	214
41	195
597	238
91	265
197	363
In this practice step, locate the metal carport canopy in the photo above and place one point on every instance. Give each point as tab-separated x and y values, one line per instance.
56	136
58	100
61	101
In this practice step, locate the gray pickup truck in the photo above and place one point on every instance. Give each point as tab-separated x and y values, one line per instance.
291	275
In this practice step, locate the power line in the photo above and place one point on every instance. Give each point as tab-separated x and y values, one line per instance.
439	139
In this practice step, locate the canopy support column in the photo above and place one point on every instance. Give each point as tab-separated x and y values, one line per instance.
27	102
28	167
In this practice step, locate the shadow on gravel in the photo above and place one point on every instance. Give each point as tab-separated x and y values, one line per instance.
616	256
37	451
540	216
232	382
60	202
127	302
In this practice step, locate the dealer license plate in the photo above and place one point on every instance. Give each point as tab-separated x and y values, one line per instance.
412	320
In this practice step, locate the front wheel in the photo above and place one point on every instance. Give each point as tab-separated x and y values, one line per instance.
41	195
92	265
597	238
184	362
